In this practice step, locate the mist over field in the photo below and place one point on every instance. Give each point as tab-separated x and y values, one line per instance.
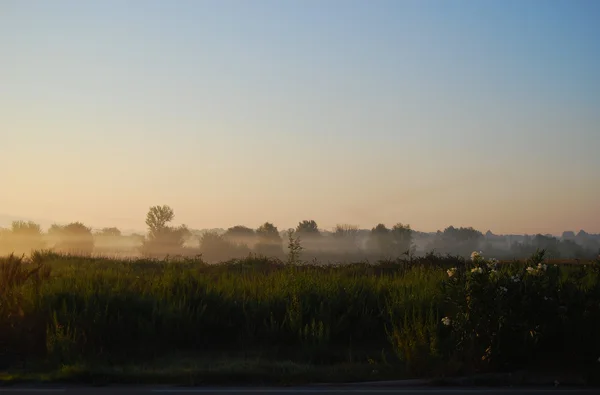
344	243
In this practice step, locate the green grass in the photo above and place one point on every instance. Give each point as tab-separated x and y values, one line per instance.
254	320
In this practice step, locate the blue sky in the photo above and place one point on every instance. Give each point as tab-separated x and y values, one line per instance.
481	113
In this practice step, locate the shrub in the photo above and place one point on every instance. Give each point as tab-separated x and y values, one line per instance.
74	238
215	247
22	238
269	241
515	315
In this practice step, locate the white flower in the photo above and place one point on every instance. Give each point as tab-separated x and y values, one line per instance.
493	271
542	266
504	289
477	270
515	279
451	272
476	255
446	321
545	298
492	263
531	270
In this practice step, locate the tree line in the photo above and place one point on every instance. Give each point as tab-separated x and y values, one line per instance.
346	242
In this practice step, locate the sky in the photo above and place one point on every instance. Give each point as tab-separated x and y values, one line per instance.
432	113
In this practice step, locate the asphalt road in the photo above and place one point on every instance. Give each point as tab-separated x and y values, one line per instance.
291	391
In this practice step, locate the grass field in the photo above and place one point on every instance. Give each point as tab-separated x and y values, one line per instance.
258	319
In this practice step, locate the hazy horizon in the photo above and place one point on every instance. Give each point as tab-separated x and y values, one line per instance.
429	113
6	220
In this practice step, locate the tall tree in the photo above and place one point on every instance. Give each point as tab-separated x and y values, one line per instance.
380	240
23	238
346	237
74	238
216	248
402	239
239	232
109	232
307	228
162	238
268	232
269	240
158	217
345	231
461	241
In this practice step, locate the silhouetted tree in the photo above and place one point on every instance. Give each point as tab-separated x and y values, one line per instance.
163	239
459	241
380	240
309	234
109	241
23	238
402	239
74	238
548	243
239	230
240	234
23	227
570	249
157	219
216	248
269	240
294	247
346	237
268	231
109	232
345	230
307	228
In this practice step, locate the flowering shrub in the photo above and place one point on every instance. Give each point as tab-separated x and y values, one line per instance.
505	315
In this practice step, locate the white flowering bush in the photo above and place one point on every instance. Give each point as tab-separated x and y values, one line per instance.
451	272
501	315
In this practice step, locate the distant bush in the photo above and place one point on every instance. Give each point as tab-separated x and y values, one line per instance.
109	232
456	241
22	238
74	238
167	241
215	248
308	229
239	232
269	242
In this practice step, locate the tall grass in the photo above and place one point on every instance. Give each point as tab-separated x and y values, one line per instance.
93	309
